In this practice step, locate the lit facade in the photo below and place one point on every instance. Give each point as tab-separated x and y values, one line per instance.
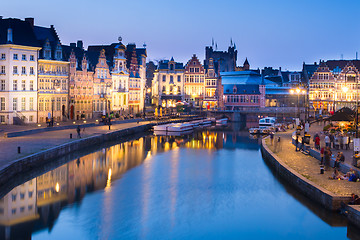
102	87
194	84
120	81
211	85
168	84
81	89
334	85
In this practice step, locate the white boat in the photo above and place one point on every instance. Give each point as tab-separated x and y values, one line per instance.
267	122
254	130
206	122
221	121
161	127
174	127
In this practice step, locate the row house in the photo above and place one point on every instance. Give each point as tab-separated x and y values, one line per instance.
334	85
102	84
53	76
168	83
81	88
211	85
19	50
194	84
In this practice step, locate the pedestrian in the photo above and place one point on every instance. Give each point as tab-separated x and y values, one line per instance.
78	130
278	144
327	141
271	138
341	141
317	142
332	140
327	154
347	142
322	151
296	143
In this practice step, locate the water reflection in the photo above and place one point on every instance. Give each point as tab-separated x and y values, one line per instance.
36	204
162	185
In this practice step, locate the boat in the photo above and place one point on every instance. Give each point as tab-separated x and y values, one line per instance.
266	126
221	121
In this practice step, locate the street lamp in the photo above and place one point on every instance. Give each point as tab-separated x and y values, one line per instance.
298	92
52	106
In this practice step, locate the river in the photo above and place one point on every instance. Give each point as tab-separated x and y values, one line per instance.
212	184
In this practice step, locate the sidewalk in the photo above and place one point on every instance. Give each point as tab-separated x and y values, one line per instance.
309	167
40	141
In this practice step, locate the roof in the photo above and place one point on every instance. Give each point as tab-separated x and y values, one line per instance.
241	77
22	32
241	89
277	90
44	34
164	65
344	114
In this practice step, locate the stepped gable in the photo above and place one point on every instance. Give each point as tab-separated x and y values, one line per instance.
44	35
109	52
194	61
22	32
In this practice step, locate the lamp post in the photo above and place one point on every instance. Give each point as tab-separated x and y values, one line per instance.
298	92
52	106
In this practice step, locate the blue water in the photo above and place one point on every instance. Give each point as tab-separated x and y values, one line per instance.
210	186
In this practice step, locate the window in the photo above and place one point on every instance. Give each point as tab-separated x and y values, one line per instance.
14	85
23	85
191	69
22	209
31	103
23	103
164	78
2	119
2	85
2	104
13	197
58	104
41	104
23	57
32	58
179	78
31	70
15	56
22	195
31	85
23	70
14	104
197	70
2	71
15	70
171	79
3	56
30	207
31	118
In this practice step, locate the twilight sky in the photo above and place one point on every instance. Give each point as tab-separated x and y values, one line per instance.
277	33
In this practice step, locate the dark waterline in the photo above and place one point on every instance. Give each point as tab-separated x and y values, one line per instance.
209	185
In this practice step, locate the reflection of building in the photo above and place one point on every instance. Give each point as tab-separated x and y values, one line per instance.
52	186
194	85
19	205
18	72
168	83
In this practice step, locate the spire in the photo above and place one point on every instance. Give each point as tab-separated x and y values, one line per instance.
212	42
234	46
231	42
172	59
215	46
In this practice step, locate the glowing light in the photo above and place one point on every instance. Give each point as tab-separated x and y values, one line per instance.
57	187
345	89
39	125
57	124
298	90
303	92
73	122
291	91
108	182
84	121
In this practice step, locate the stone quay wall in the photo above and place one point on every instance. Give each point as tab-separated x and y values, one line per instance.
317	193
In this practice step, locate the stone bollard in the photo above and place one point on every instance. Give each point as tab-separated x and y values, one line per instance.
70	135
321	169
19	149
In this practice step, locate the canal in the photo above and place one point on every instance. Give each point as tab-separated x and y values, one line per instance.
212	184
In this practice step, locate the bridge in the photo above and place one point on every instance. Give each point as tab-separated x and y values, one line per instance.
244	114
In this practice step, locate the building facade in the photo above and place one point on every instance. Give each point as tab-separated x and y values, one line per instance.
194	84
334	85
19	51
168	83
211	87
102	87
81	89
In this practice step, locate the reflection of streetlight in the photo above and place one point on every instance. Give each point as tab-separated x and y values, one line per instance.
57	187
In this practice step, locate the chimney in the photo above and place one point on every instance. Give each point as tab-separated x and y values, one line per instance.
30	20
315	63
73	44
1	17
52	26
9	36
80	44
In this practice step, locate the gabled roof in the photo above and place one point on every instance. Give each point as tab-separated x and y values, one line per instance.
164	65
22	32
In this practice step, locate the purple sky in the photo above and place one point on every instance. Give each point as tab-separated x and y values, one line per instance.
270	33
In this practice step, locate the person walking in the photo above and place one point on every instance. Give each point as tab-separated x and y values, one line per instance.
327	154
317	142
78	130
322	151
327	141
332	142
296	143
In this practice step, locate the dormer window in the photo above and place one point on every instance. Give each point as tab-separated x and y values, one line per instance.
171	66
234	90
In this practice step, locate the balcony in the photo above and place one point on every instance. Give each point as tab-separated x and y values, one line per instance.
121	90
